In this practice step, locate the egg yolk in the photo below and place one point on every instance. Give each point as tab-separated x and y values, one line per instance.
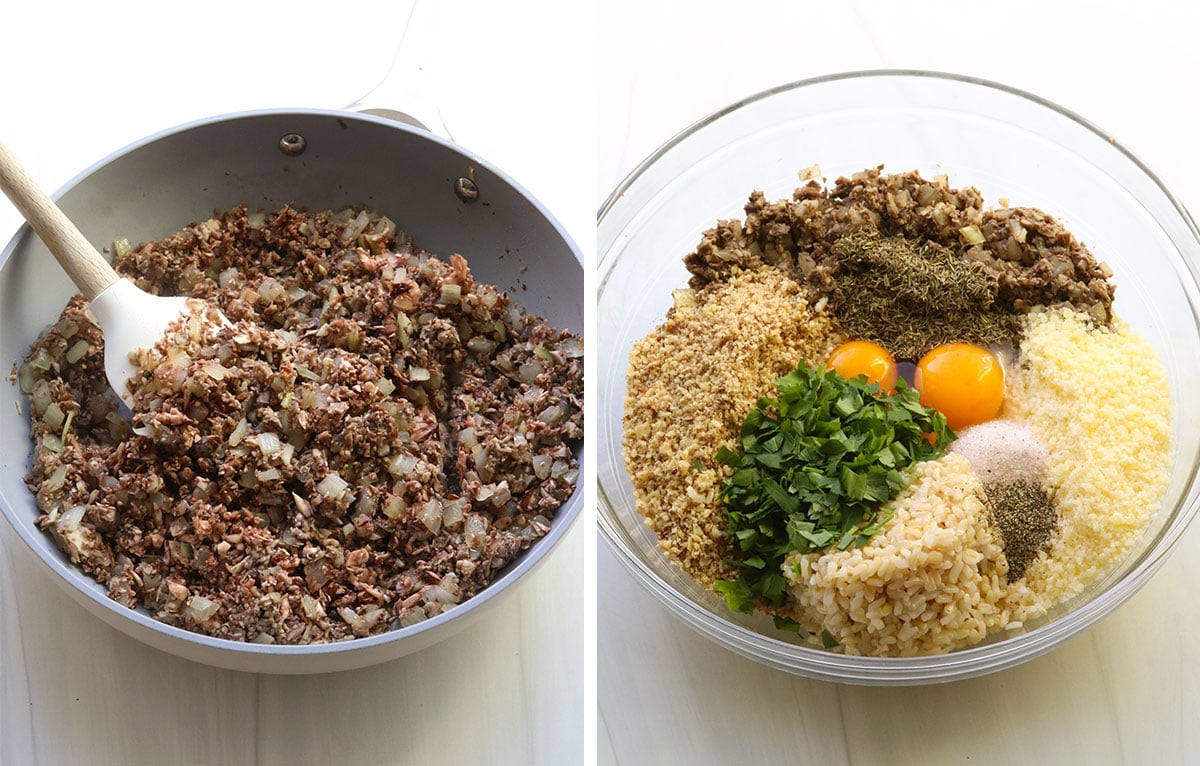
962	381
862	357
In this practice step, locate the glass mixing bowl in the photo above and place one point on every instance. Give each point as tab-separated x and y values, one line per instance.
1006	143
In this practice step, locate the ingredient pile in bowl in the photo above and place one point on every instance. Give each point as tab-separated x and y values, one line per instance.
367	443
893	419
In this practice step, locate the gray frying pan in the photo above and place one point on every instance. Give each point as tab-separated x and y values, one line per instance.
448	199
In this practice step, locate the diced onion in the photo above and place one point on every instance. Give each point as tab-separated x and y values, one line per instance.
200	608
121	248
541	466
1018	231
418	373
312	608
177	357
501	494
268	443
54	416
481	455
475	530
528	372
431	515
467	438
572	347
440	594
41	359
452	513
238	434
385	386
394	506
402	465
56	480
355	227
481	345
552	415
26	378
314	572
332	486
451	293
972	235
271	289
41	397
71	519
412	618
215	370
77	351
684	298
384	227
532	395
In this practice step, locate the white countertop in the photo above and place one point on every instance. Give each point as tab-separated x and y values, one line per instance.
80	80
1127	691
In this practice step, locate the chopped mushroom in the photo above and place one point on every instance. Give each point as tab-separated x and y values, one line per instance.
367	443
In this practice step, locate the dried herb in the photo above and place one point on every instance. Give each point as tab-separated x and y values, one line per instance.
909	296
817	465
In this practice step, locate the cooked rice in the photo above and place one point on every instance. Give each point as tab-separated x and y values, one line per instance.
934	579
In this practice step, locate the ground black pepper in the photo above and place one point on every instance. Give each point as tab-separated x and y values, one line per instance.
1026	517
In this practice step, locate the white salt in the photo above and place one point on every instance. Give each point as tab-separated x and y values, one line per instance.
1002	451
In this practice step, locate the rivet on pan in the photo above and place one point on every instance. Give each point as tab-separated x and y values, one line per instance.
466	190
292	143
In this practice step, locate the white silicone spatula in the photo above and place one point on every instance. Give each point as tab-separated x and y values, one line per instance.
129	317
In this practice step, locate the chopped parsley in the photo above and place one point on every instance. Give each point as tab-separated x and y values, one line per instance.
816	467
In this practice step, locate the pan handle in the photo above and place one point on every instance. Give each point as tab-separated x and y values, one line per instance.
403	93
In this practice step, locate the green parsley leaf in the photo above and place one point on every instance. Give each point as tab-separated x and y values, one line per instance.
788	624
816	468
738	597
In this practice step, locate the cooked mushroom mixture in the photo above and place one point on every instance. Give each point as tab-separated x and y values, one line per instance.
1023	256
367	442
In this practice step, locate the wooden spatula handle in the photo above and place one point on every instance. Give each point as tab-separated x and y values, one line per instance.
83	264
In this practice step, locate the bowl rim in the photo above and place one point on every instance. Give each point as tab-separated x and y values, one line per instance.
78	583
830	666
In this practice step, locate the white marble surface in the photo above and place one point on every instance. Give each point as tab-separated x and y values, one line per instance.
512	82
1127	691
